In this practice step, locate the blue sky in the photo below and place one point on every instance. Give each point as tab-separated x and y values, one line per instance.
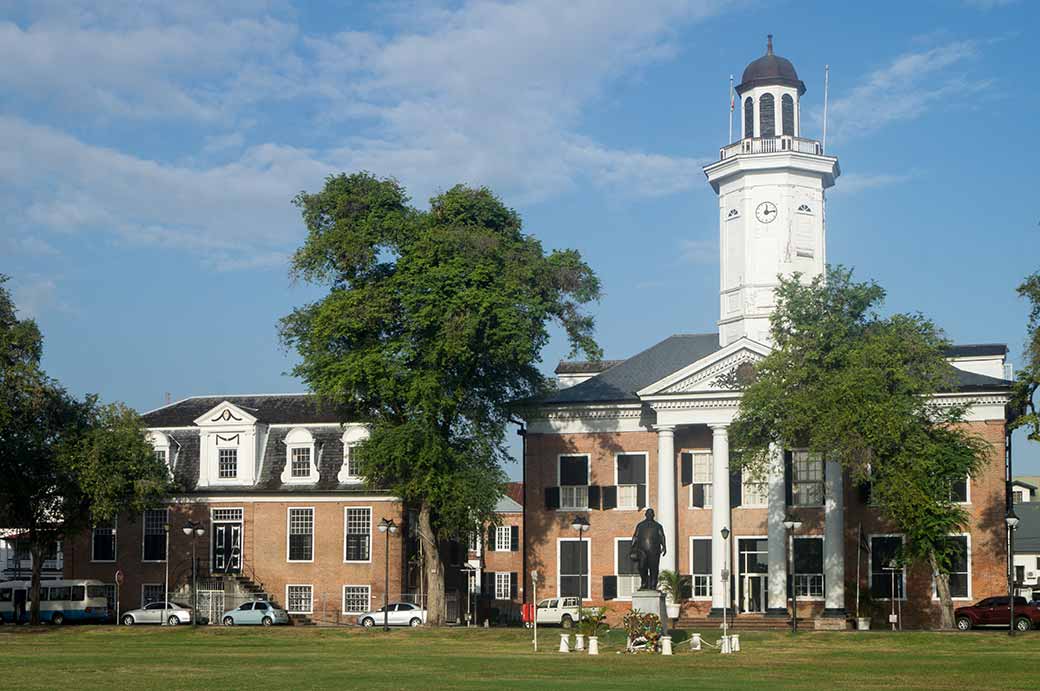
148	156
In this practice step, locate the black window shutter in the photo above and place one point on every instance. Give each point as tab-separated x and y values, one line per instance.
687	469
487	584
788	472
734	488
512	584
491	539
609	587
864	492
514	538
608	495
641	496
698	496
552	497
594	497
685	587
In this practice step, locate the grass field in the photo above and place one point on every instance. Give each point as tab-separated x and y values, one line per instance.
87	657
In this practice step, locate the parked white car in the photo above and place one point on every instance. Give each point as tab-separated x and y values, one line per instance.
398	614
175	613
559	611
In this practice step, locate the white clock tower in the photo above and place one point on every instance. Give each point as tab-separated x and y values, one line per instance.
771	198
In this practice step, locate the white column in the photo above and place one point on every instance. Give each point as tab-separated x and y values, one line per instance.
719	515
834	540
777	513
666	492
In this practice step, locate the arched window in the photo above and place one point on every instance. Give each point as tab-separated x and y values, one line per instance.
749	117
787	114
767	115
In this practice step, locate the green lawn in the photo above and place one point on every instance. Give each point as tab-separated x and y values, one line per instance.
87	657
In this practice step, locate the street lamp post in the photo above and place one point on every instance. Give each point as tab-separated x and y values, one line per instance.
581	524
166	578
892	567
534	587
725	588
387	527
194	531
791	525
1012	526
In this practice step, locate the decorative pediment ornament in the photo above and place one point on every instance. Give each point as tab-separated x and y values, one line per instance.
729	374
226	415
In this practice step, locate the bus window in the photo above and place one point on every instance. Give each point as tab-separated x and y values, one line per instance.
6	594
60	593
96	591
79	593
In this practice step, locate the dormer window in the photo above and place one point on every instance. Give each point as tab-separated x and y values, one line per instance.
231	442
300	457
352	437
161	445
227	463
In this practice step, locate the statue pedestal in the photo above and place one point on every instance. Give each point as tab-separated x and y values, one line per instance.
652	602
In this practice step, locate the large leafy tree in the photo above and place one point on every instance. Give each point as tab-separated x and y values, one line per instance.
433	323
1028	380
64	463
858	388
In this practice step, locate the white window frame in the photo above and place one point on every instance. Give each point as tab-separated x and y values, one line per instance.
220	470
115	544
296	440
967	493
935	590
353	435
144	532
588	481
234	514
559	555
822	482
288	534
368	598
746	482
151	585
823	574
708	502
617	595
870	571
500	578
501	530
310	587
305	453
371	526
634	506
694	576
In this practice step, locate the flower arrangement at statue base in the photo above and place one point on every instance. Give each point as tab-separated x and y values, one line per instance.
644	632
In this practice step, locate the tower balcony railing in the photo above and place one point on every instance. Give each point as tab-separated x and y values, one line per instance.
771	145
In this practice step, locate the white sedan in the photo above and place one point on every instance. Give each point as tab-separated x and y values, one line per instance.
154	613
398	614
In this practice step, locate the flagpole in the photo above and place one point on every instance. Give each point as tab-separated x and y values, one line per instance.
730	140
826	88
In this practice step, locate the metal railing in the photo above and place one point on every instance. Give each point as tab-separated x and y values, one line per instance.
771	145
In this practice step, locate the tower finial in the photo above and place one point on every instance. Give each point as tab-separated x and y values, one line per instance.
769	44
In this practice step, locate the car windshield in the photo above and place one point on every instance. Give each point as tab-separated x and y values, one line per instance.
180	605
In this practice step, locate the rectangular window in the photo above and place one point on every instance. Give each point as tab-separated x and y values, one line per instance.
960	568
227	463
631	479
301	462
884	550
806	479
301	535
701	490
574	482
503	538
959	491
231	515
151	592
358	534
103	543
350	464
753	492
298	599
155	521
808	566
700	554
356	599
160	455
574	564
626	570
502	586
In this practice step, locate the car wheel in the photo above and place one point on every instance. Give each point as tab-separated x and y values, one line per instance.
228	621
566	622
128	620
415	622
963	624
368	622
57	619
173	620
1023	624
267	621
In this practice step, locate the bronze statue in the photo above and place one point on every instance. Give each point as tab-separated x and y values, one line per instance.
648	545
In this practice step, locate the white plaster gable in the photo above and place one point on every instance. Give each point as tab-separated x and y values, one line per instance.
225	414
300	440
227	426
353	434
703	375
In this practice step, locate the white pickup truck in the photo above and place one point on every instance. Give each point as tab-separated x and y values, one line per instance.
559	611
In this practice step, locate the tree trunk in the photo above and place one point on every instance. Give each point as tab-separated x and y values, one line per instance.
942	587
433	566
36	549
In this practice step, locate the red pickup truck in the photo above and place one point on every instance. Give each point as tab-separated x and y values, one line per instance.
994	611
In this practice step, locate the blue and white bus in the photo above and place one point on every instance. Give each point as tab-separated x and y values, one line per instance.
60	601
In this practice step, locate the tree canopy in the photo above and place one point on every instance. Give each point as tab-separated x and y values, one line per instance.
433	324
858	388
1028	379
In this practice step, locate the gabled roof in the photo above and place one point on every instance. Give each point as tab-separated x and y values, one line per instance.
289	409
976	350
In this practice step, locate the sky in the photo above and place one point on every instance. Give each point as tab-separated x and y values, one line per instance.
149	155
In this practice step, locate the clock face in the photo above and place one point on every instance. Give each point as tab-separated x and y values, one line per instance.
766	212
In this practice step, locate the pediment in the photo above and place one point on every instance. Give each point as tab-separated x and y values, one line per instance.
720	371
225	414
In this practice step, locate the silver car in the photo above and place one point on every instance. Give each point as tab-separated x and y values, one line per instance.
398	614
175	613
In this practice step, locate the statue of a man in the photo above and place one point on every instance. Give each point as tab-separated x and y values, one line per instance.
648	545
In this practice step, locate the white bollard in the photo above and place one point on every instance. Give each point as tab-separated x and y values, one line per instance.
695	642
593	645
735	642
564	643
666	645
579	641
724	646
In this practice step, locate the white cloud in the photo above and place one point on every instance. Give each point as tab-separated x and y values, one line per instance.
704	252
858	182
35	295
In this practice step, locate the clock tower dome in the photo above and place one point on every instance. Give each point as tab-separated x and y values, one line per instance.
771	187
